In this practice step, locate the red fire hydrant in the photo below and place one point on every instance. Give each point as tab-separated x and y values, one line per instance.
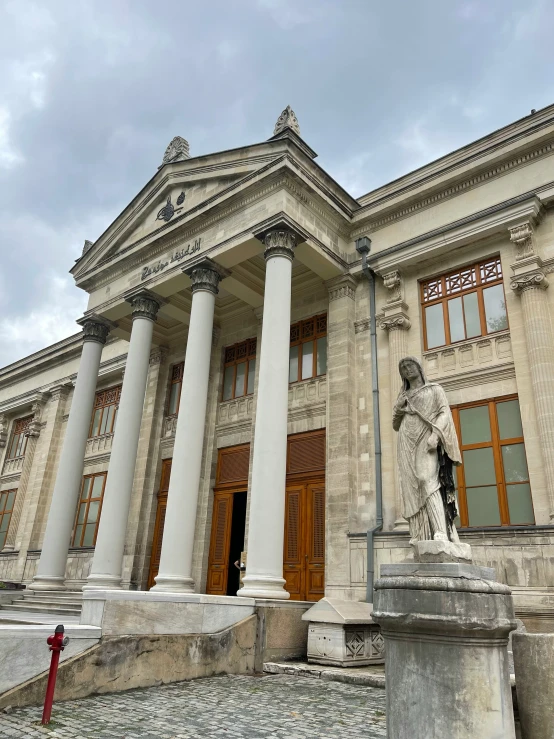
57	643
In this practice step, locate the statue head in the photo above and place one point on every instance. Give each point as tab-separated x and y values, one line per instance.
410	368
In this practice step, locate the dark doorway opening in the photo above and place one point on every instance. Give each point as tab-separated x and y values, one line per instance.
236	544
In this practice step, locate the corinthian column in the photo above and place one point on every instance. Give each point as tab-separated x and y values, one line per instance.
264	568
529	281
396	323
107	563
51	567
175	572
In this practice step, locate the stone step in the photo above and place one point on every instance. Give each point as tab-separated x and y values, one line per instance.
66	602
54	595
42	608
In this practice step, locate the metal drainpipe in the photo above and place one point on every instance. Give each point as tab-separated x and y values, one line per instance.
363	246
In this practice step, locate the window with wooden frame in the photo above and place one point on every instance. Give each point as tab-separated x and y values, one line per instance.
464	304
175	389
240	369
104	415
493	481
7	500
308	348
18	441
89	510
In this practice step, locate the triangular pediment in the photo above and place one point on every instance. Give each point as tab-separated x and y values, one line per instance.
175	192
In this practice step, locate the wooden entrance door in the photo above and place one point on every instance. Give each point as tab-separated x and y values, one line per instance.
304	555
159	525
227	529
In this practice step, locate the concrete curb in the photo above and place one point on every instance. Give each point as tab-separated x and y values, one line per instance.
353	676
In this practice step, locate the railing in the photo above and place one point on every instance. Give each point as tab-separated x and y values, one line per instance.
99	444
468	355
13	465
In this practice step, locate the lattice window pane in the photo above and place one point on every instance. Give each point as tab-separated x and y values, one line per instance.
432	290
308	328
230	354
321	324
295	332
491	271
465	279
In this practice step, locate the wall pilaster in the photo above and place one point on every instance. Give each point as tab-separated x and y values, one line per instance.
396	323
530	283
341	474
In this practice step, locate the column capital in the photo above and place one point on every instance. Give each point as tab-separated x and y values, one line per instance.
145	304
158	355
206	275
531	280
279	242
394	284
34	427
343	286
395	322
95	328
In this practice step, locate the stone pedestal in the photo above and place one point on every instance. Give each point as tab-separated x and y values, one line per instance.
534	670
343	633
446	630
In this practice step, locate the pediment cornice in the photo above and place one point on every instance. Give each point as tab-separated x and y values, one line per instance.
285	172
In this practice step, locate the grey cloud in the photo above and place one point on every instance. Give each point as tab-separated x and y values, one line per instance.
91	93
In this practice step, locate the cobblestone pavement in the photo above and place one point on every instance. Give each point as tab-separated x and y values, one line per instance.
231	706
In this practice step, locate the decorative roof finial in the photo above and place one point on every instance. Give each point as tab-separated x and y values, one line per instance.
177	151
287	119
87	247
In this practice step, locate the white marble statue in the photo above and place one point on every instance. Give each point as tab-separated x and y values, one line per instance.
427	450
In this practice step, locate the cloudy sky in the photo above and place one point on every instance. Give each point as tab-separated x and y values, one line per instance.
92	91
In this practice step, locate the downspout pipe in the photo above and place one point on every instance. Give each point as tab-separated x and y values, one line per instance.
363	246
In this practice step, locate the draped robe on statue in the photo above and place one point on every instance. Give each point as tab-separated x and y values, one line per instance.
427	411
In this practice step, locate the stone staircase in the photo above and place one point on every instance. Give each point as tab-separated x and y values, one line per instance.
68	603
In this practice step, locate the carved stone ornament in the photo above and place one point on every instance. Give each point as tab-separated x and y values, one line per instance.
535	280
35	425
522	236
393	283
177	150
395	323
287	119
341	287
95	331
279	243
167	212
203	277
3	430
158	355
144	306
87	246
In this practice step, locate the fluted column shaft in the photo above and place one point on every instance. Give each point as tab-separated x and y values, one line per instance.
540	350
51	567
264	568
175	572
106	568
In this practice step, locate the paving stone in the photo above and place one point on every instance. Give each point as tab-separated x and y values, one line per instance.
232	706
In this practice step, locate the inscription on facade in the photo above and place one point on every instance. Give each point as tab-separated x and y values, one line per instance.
187	251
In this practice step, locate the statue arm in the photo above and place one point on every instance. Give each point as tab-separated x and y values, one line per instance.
398	412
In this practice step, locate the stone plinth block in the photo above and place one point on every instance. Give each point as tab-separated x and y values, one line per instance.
439	550
343	633
446	631
534	669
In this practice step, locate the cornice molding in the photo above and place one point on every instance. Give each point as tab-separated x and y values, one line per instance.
449	192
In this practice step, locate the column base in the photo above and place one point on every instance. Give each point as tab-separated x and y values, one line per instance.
47	583
103	582
263	586
401	525
173	584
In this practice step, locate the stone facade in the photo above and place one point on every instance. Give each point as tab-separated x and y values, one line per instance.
493	198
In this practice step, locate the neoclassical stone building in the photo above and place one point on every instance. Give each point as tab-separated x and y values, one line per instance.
220	397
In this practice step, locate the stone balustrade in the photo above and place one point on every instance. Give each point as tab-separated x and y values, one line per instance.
99	445
12	466
469	355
